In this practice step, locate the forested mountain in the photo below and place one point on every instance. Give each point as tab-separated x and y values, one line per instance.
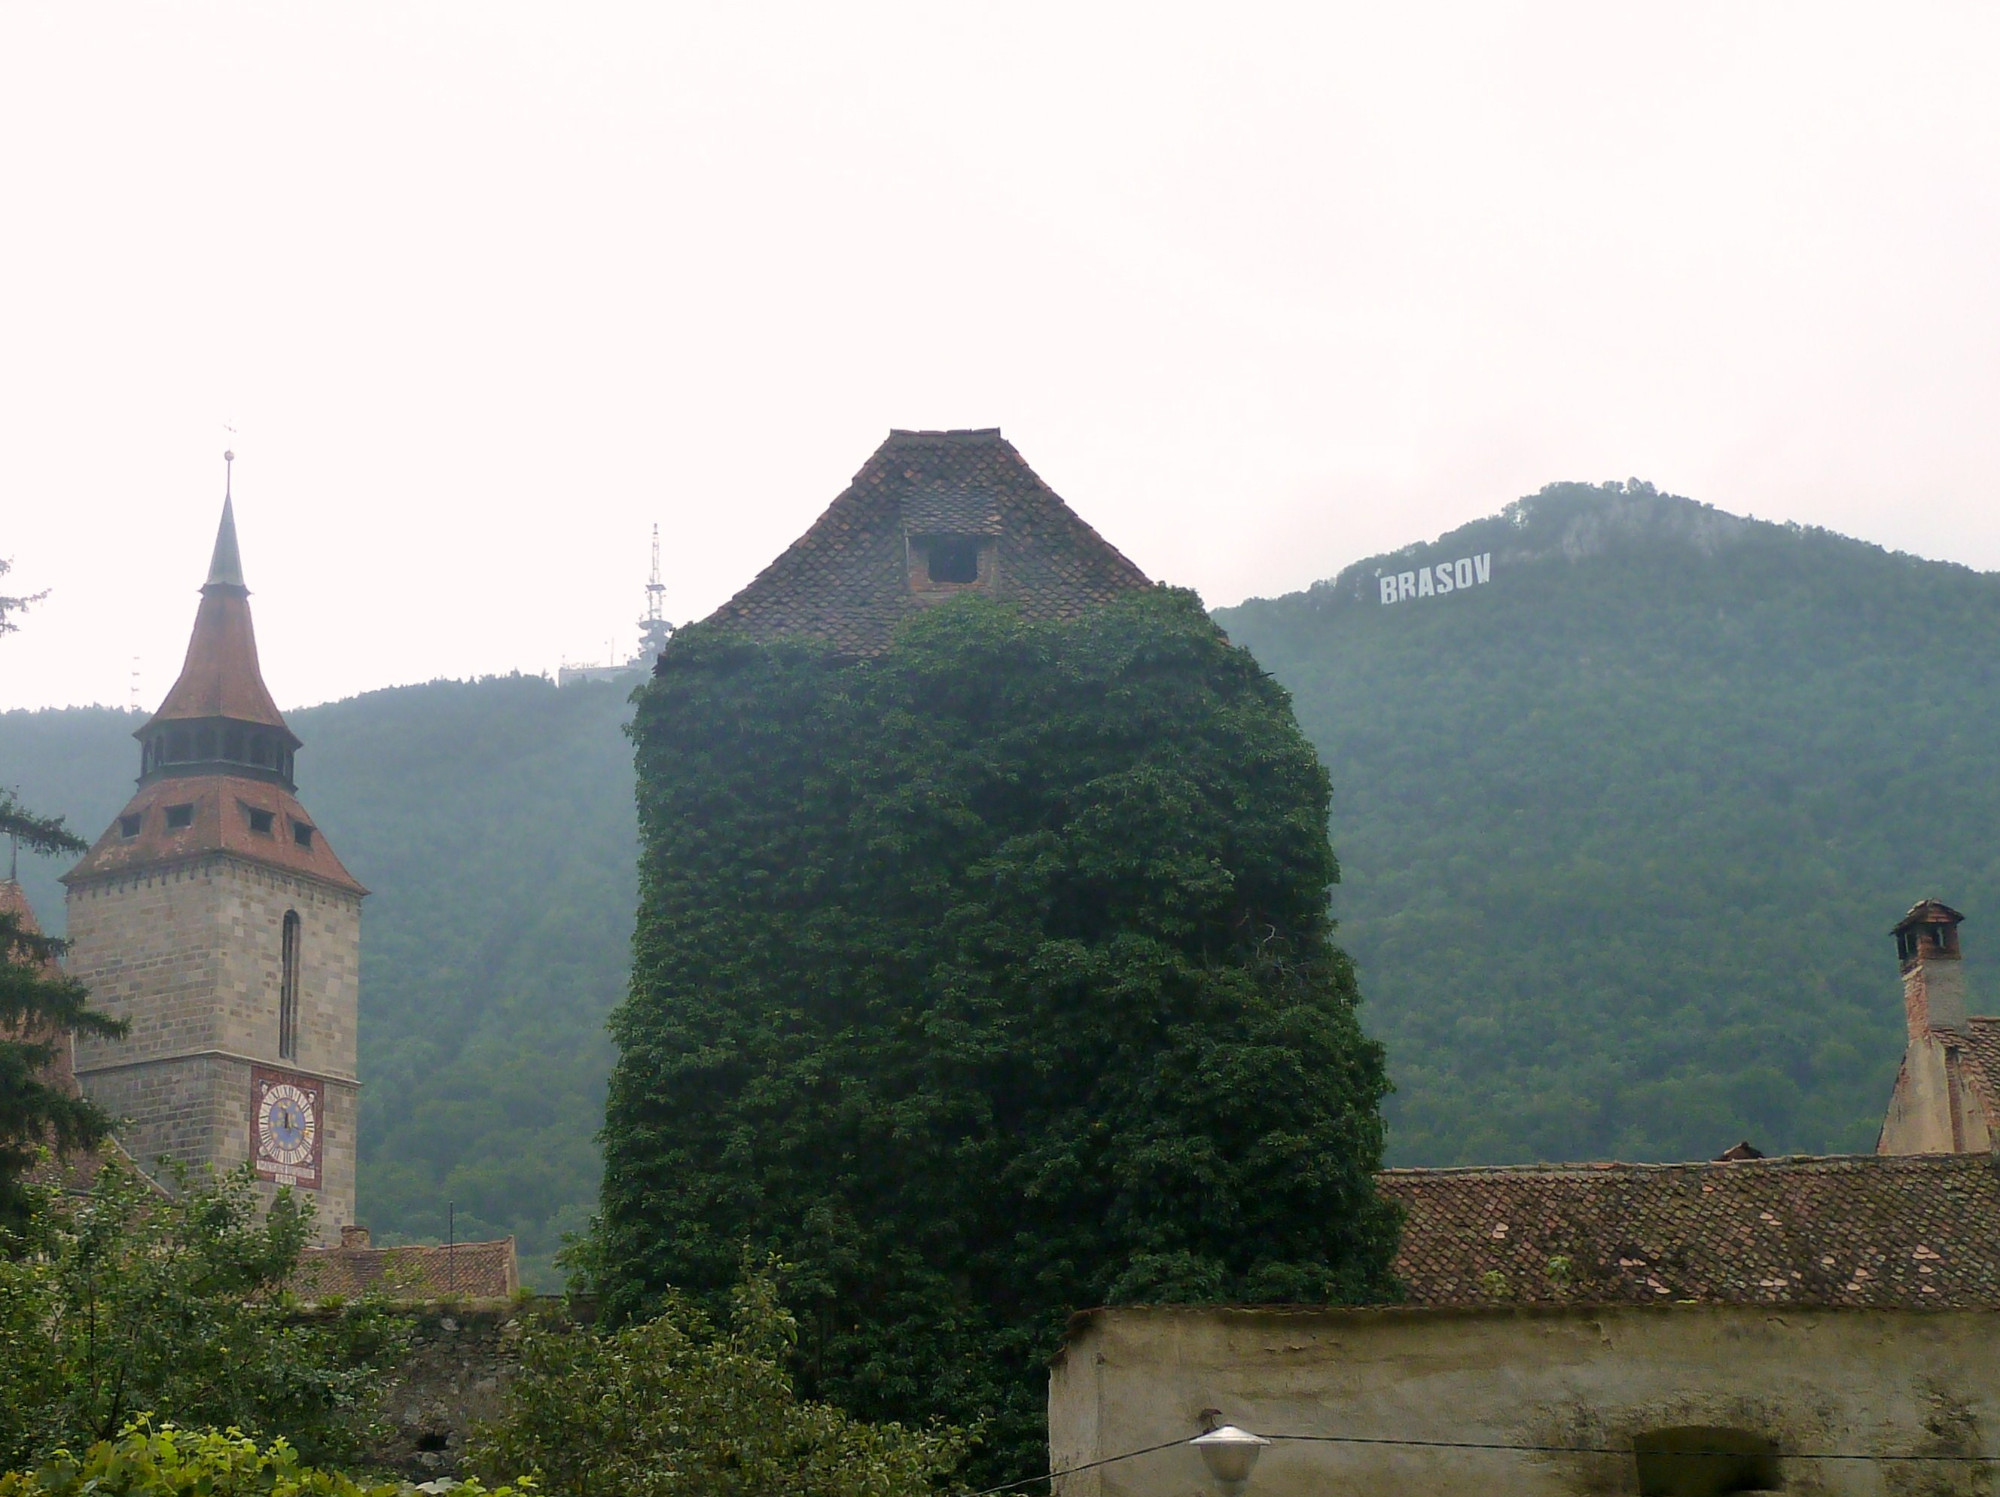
1623	827
493	823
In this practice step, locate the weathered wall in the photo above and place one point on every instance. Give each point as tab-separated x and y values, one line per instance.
1875	1381
460	1362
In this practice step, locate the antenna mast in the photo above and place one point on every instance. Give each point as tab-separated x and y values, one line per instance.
654	630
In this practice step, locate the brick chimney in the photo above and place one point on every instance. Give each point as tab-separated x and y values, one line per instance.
353	1236
1933	976
1944	1097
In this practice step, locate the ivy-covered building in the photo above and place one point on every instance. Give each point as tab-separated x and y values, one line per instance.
932	515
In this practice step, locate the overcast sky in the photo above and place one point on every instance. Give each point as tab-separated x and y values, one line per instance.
487	289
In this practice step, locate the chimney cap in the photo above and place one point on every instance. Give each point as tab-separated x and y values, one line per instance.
1927	912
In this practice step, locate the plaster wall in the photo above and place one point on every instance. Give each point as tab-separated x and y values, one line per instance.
1869	1381
1934	1109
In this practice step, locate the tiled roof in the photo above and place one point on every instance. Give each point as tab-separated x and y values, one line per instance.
220	676
846	581
220	822
1982	1050
469	1270
1908	1231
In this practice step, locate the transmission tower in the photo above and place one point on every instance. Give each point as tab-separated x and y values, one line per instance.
654	630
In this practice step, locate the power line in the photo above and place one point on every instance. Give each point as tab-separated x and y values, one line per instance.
1499	1445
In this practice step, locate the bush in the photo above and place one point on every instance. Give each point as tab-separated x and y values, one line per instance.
673	1408
146	1461
126	1300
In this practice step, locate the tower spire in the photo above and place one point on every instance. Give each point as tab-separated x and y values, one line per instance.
225	568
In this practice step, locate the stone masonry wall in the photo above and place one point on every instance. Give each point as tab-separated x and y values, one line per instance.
191	956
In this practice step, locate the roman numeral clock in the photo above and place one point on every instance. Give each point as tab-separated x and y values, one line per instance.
285	1127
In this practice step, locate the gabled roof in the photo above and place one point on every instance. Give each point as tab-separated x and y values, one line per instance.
1928	912
1916	1232
846	581
219	821
221	677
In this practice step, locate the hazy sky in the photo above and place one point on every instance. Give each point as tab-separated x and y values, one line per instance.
487	289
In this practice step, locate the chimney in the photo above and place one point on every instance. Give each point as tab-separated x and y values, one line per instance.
1933	978
353	1236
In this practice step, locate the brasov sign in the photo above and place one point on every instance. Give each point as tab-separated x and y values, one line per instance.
1445	577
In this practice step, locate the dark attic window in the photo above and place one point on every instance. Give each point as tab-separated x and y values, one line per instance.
302	834
260	821
128	826
953	558
179	817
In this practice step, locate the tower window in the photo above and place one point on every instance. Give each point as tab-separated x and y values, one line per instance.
302	834
128	826
260	821
288	989
953	558
179	817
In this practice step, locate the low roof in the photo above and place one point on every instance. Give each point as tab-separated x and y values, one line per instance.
846	581
1908	1231
220	823
422	1271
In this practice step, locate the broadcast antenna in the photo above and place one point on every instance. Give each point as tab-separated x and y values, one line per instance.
655	589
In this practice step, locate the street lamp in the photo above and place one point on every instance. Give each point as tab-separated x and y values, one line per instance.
1230	1454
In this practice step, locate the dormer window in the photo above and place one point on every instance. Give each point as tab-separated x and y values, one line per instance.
302	834
128	825
180	817
261	821
953	558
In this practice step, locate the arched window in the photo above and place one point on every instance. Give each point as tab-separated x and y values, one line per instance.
288	991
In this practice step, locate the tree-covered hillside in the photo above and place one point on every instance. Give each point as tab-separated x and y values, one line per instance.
1623	828
493	823
1622	831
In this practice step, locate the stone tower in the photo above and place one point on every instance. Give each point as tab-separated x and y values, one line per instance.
1945	1100
214	916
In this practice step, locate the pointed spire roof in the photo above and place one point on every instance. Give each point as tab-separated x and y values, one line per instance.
226	565
221	677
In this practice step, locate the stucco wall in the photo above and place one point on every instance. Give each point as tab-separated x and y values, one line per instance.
1880	1382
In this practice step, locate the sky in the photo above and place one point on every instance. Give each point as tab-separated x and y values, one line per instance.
479	293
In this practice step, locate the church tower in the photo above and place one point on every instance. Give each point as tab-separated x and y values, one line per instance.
214	916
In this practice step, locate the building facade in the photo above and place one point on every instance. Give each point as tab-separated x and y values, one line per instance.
1747	1324
214	917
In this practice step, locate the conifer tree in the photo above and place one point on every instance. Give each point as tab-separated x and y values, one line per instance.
982	981
39	1007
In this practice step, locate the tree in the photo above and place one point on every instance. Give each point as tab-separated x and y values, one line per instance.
128	1301
39	1009
985	980
671	1407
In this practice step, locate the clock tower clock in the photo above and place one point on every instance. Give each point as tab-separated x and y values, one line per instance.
214	917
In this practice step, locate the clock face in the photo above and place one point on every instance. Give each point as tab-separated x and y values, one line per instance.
285	1127
286	1130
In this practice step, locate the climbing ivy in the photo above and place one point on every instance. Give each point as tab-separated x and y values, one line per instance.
983	981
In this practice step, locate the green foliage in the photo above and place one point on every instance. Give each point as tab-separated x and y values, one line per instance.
166	1461
1623	830
493	823
39	1010
126	1301
983	981
671	1407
